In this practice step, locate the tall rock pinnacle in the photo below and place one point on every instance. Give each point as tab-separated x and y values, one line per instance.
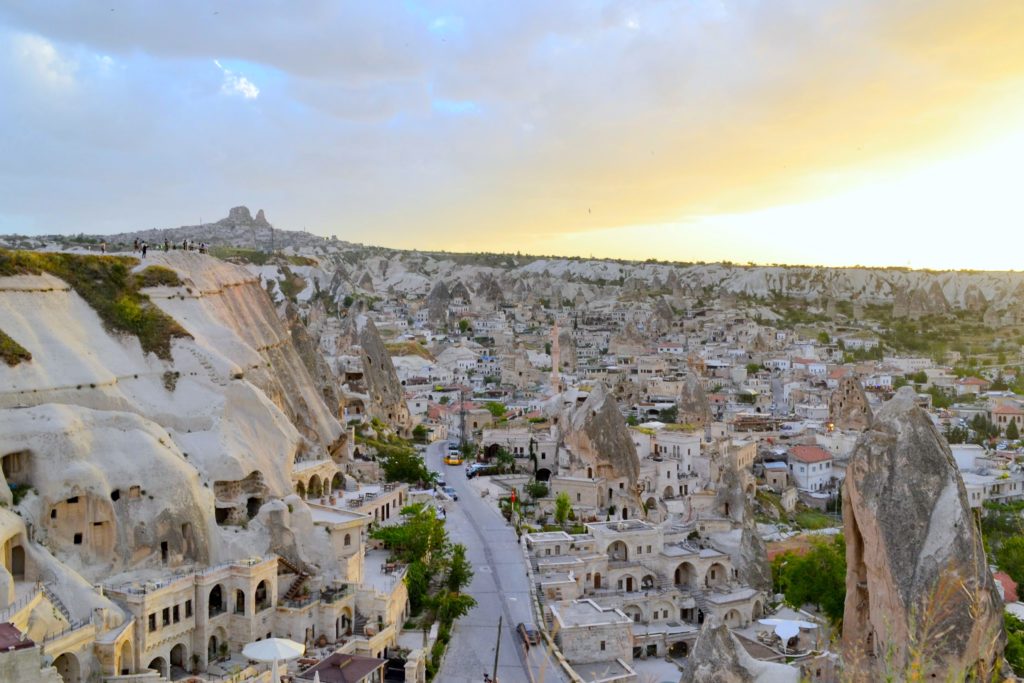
919	594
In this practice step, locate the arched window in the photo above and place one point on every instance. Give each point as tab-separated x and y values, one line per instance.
348	539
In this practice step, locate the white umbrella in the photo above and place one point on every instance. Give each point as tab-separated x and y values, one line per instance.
316	677
273	650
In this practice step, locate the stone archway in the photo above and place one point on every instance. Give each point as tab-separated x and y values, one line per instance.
68	667
159	664
618	552
668	493
216	601
338	482
648	582
18	562
716	575
633	612
543	474
685	575
733	619
300	489
315	487
179	656
757	611
262	596
125	665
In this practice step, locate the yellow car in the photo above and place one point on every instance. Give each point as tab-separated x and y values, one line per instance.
453	459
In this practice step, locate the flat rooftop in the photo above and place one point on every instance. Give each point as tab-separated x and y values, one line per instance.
598	672
586	613
622	526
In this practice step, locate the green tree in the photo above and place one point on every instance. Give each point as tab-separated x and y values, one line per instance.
1010	558
460	571
403	464
464	326
1012	433
1014	643
817	577
537	489
562	507
505	460
420	433
669	415
497	410
823	337
753	368
919	377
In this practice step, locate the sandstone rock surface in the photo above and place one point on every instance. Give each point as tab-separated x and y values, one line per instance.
718	657
917	581
848	406
597	434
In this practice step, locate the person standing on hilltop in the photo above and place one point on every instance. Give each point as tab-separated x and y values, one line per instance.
144	247
135	245
103	247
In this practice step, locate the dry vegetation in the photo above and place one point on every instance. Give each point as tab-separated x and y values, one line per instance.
11	352
111	289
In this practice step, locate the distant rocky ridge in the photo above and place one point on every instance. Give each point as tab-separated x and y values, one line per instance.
999	295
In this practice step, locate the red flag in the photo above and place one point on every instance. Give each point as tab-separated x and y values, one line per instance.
513	496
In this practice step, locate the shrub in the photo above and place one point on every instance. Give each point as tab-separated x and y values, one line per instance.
11	352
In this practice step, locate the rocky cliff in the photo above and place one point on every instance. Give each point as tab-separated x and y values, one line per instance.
694	407
597	434
126	451
718	657
848	407
919	594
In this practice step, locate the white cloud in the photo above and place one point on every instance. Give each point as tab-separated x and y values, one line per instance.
41	59
236	84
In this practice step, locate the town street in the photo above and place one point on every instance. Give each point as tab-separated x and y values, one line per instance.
500	587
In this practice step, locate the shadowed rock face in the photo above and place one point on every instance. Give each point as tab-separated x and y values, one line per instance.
598	435
694	407
751	557
387	402
916	579
715	658
848	406
437	304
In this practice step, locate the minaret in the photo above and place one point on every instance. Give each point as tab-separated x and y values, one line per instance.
556	381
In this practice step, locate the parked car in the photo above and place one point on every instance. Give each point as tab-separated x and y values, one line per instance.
529	634
474	469
452	493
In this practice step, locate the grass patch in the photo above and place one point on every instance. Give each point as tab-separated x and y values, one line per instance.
158	276
110	288
813	520
260	258
408	348
11	352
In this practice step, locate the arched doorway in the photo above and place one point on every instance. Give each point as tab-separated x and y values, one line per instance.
668	492
758	611
68	668
124	664
590	473
543	474
211	649
633	612
179	656
262	596
300	489
677	650
733	619
159	664
18	562
239	602
686	575
651	505
338	482
648	582
618	552
315	487
346	622
216	601
597	580
716	575
625	512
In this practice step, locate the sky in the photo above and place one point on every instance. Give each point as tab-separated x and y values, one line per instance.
834	132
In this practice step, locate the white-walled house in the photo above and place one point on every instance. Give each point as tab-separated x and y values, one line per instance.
810	467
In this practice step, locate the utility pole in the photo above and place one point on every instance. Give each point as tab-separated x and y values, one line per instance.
497	649
462	419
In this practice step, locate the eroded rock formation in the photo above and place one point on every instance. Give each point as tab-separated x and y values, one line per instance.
848	406
597	434
917	582
694	407
718	657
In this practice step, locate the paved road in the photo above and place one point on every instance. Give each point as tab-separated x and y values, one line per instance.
500	587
